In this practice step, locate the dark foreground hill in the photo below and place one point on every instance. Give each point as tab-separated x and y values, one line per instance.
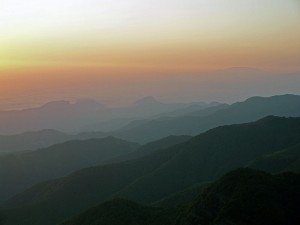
21	170
281	161
124	212
243	196
158	175
247	197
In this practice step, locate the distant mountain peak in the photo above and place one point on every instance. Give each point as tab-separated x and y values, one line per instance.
89	103
44	131
149	100
80	103
56	104
285	97
243	69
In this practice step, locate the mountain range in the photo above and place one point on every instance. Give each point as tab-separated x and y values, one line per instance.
33	140
192	124
83	115
190	120
232	199
19	171
173	164
156	176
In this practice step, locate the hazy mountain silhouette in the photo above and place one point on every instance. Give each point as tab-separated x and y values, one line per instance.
197	111
108	125
250	110
147	108
33	140
194	108
150	108
61	115
150	148
66	116
21	170
158	175
147	101
243	70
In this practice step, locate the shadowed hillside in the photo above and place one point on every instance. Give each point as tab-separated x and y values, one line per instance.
21	170
160	174
284	160
242	196
124	212
151	147
247	197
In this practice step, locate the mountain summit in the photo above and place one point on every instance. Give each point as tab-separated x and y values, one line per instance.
149	100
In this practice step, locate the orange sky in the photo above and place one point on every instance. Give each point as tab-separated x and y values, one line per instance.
54	43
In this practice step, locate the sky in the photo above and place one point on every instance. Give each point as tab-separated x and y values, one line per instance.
76	48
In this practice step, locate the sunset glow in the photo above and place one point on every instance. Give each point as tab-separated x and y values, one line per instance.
200	34
136	37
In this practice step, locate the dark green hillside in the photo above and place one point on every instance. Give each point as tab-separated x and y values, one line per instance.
182	198
243	196
210	155
151	147
124	212
158	175
247	197
284	160
56	200
21	170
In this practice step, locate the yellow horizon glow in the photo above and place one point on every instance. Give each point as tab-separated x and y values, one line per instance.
187	35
